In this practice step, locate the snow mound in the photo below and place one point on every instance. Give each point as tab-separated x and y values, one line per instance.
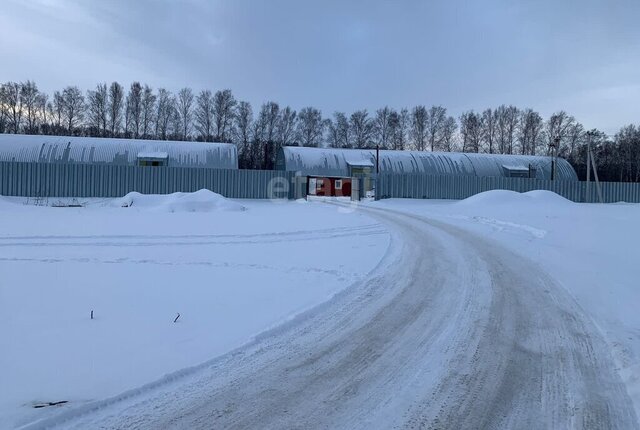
5	202
506	197
12	204
544	196
493	197
199	201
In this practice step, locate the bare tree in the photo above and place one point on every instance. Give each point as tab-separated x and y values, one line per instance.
382	128
512	116
529	131
448	134
332	133
557	128
419	118
310	127
286	127
507	124
176	125
399	123
97	109
436	117
14	106
185	105
264	135
3	109
56	112
223	106
270	112
165	108
133	114
242	133
148	104
116	100
628	148
574	138
338	131
489	129
73	107
470	131
29	99
42	113
203	115
361	128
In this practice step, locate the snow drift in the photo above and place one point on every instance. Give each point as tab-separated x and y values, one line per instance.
199	201
506	197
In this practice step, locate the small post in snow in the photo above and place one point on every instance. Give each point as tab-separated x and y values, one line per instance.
178	316
91	313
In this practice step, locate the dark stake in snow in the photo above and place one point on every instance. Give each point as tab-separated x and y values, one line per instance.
178	316
91	313
44	405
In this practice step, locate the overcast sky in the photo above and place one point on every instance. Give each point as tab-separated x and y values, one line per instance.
581	56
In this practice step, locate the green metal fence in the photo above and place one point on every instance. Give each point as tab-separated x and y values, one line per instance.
104	180
417	186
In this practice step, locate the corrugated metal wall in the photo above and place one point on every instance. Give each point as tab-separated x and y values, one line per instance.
417	186
94	180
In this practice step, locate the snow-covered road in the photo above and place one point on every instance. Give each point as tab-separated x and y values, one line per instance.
449	331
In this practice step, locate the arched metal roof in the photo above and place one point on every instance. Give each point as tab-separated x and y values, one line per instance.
338	162
92	150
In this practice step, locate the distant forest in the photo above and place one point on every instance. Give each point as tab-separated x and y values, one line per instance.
143	113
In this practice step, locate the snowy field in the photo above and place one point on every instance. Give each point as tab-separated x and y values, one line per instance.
232	269
590	249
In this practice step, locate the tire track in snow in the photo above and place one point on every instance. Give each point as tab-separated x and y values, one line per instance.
187	240
193	236
450	331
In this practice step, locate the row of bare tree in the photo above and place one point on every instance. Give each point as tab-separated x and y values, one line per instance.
142	113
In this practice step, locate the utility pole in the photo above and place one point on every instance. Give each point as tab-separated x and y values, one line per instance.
591	164
554	157
587	197
595	175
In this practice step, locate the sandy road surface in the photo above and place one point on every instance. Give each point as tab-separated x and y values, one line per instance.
449	331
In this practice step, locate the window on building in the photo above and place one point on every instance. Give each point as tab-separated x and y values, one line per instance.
338	184
153	163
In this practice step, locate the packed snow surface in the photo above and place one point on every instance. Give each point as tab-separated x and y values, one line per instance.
231	268
504	310
590	249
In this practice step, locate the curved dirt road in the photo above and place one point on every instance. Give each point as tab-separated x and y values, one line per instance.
449	331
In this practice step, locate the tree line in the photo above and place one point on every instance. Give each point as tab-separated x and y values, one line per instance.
141	112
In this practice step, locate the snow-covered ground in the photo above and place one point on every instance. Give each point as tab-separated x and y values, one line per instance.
590	249
232	269
468	297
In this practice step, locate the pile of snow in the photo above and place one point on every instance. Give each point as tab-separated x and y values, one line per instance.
506	197
5	202
199	201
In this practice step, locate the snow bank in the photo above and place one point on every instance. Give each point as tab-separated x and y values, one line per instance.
6	203
506	197
547	197
199	201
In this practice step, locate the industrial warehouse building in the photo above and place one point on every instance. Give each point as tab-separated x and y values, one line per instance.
55	166
122	152
61	166
330	170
